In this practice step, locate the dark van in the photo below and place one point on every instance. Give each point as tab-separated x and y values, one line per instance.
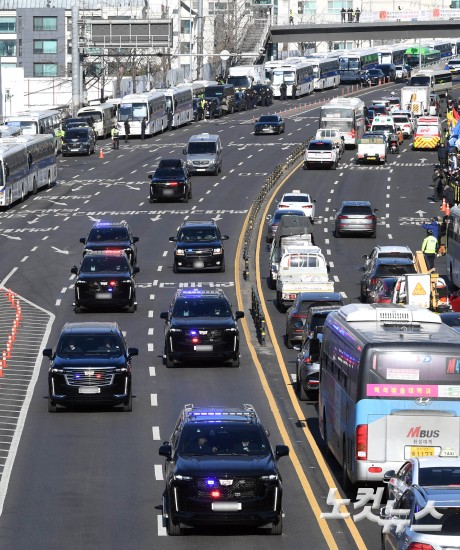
226	94
78	141
389	70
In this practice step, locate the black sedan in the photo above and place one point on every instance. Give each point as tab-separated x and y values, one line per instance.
269	124
383	268
171	181
374	77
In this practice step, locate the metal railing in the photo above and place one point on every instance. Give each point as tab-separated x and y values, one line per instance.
258	316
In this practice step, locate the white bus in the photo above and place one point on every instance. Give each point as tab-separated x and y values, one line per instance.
179	102
134	107
453	247
14	172
389	389
38	122
440	82
325	71
291	71
198	86
104	117
391	54
347	116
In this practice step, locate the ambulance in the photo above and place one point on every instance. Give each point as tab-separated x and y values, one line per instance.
428	133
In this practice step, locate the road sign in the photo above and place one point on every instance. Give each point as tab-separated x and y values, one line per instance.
224	55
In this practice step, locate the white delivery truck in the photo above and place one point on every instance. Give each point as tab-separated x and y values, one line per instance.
416	99
244	77
301	270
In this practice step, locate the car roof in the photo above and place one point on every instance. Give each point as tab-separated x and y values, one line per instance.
392	248
246	413
204	137
320	296
199	293
198	223
170	163
116	252
92	326
356	203
101	225
394	261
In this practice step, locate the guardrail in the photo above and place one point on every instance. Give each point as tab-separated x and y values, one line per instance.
258	316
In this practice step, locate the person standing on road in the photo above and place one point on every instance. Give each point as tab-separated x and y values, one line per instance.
115	137
143	127
127	130
442	155
283	90
448	194
430	249
294	91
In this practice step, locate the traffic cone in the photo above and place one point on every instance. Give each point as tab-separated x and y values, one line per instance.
443	205
447	210
101	153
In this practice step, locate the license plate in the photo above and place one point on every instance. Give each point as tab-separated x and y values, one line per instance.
103	296
90	390
198	264
266	129
371	158
421	451
168	192
226	506
201	169
203	347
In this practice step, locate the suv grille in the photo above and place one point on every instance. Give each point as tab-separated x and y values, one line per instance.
200	162
214	336
241	488
89	377
198	252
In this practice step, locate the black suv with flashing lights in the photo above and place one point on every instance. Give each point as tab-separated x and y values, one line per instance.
112	236
199	246
90	364
221	470
105	278
170	181
200	326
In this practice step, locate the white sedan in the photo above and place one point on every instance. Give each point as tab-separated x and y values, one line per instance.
298	201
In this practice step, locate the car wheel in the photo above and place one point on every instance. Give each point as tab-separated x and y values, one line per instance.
363	294
132	307
173	529
175	268
216	171
374	235
190	193
169	361
277	528
235	363
222	267
77	308
128	406
337	234
51	406
185	199
300	390
287	340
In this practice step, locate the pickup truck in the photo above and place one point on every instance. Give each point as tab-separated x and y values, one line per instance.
372	148
302	270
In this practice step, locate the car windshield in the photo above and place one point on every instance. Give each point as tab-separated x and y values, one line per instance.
375	72
451	319
320	146
357	210
71	345
73	133
190	234
394	270
104	264
440	475
268	118
201	148
202	307
108	234
222	438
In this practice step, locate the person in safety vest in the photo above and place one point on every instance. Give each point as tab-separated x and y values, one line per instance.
430	248
115	137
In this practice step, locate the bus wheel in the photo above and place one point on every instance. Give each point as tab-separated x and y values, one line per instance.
48	185
34	187
346	483
327	451
23	196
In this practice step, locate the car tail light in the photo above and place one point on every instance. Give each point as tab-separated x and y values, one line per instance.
369	217
361	442
172	183
373	281
342	217
419	546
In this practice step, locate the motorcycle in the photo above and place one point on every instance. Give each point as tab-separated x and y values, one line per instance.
393	143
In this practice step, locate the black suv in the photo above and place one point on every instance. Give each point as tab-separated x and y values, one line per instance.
200	326
79	141
90	364
221	470
171	180
112	236
199	246
105	279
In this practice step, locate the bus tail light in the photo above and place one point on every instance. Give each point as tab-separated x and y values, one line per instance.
361	442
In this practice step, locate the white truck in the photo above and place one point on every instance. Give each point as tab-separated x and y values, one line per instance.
301	270
372	148
416	99
244	77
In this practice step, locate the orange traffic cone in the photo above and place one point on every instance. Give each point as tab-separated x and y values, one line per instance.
447	210
101	153
443	205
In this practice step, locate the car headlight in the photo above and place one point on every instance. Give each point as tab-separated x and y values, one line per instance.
180	477
217	251
180	252
272	477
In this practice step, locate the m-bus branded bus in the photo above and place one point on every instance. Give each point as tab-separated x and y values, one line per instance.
325	71
347	116
134	107
38	122
179	102
439	82
453	247
291	71
417	56
391	54
103	115
389	388
353	62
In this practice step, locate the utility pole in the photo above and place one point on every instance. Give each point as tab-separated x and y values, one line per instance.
76	99
199	40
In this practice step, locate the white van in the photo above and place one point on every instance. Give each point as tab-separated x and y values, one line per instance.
204	154
384	124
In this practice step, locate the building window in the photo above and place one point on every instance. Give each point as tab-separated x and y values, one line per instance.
7	48
185	26
7	25
334	6
185	47
307	8
45	69
45	23
45	46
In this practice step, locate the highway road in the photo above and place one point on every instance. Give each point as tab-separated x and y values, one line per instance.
92	479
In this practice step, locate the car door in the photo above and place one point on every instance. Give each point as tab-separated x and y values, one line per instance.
367	275
401	511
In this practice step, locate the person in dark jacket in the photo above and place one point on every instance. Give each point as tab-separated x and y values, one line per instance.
283	90
438	184
443	155
343	11
294	91
434	226
143	127
127	130
448	194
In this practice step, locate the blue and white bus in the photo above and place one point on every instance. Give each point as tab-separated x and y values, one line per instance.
353	62
38	122
134	107
291	71
325	71
179	102
391	54
14	172
444	46
389	388
42	161
453	247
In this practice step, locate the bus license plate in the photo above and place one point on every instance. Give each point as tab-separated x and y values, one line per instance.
421	451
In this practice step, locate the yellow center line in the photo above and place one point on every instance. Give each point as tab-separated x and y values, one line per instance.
322	523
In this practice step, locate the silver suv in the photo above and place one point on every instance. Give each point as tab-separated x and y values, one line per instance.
321	152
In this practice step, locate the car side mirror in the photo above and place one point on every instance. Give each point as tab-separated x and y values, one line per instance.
74	270
83	240
365	256
224	237
135	239
164	315
165	450
136	270
132	352
239	315
376	209
48	352
388	475
150	176
173	239
281	450
269	217
297	348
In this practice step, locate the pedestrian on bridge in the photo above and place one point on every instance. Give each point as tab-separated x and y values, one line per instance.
357	14
343	12
350	15
291	17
